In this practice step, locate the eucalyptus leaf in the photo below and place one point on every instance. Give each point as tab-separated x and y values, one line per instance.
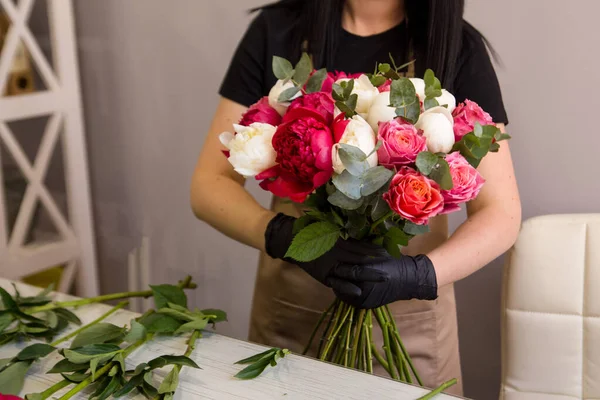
288	94
380	208
160	323
348	88
353	158
430	102
441	175
410	112
426	162
383	68
35	351
101	332
136	332
315	82
313	241
339	199
65	365
282	68
357	225
402	93
414	229
169	384
348	184
433	86
13	377
303	69
478	130
374	179
502	136
337	92
345	108
494	147
378	80
352	102
164	294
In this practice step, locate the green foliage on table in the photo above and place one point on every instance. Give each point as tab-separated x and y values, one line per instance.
259	362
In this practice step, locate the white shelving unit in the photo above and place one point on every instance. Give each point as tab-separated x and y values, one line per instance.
61	102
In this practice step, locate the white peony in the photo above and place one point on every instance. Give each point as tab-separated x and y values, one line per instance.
358	133
380	110
437	125
250	150
365	91
276	91
446	98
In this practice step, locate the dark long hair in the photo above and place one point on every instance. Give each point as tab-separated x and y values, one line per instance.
436	29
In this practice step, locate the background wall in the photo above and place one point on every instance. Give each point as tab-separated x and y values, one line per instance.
150	71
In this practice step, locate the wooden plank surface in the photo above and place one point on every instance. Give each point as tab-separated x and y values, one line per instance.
296	377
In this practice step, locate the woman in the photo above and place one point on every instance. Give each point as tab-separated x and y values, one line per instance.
351	36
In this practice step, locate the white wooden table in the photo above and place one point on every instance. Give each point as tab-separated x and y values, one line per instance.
296	377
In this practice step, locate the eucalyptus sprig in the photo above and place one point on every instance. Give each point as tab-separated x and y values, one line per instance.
302	75
259	362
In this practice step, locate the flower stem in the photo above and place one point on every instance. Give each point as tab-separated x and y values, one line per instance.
347	354
381	220
102	317
357	336
104	370
319	323
335	332
405	353
386	344
324	336
52	389
369	337
439	390
185	284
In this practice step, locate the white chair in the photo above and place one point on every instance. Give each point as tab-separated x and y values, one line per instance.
551	310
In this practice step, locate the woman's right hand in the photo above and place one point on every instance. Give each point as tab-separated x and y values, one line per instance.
331	269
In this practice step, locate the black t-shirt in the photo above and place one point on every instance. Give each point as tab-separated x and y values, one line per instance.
250	75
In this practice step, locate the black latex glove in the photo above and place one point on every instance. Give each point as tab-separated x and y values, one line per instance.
409	278
339	268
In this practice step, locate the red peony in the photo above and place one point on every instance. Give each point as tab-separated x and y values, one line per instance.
303	148
414	196
466	180
261	112
465	115
319	105
386	87
401	143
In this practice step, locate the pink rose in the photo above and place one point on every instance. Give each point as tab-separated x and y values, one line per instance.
401	143
414	196
318	104
466	180
261	112
303	148
465	115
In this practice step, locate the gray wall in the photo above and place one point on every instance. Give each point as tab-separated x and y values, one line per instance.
150	72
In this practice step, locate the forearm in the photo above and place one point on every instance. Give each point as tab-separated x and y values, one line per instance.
225	205
484	236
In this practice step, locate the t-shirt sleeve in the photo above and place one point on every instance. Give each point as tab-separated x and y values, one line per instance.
243	81
476	79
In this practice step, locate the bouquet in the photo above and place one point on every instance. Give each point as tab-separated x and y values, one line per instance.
369	157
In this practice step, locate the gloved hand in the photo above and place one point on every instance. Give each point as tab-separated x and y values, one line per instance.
326	269
409	278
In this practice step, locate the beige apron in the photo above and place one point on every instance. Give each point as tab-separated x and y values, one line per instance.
288	303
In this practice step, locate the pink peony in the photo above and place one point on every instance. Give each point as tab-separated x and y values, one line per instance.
9	397
465	115
401	143
261	112
466	180
414	196
386	87
318	104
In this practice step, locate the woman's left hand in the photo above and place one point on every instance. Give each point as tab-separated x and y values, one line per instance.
408	278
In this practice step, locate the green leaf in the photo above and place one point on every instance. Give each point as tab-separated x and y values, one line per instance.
257	357
288	94
303	69
410	112
215	315
121	360
433	86
136	332
353	158
198	324
414	229
165	294
374	179
94	365
148	390
282	68
181	316
337	92
87	353
170	383
301	223
162	361
441	175
13	377
65	365
76	377
352	101
141	367
98	333
348	184
430	102
67	316
313	241
131	384
348	88
160	323
494	147
502	136
339	199
4	362
5	320
380	208
383	68
51	319
7	300
357	225
343	107
426	161
402	93
108	389
254	370
378	80
315	82
35	351
393	240
478	130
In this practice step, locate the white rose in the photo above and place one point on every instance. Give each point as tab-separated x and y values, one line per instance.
365	91
358	133
437	125
445	99
250	150
380	110
276	91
